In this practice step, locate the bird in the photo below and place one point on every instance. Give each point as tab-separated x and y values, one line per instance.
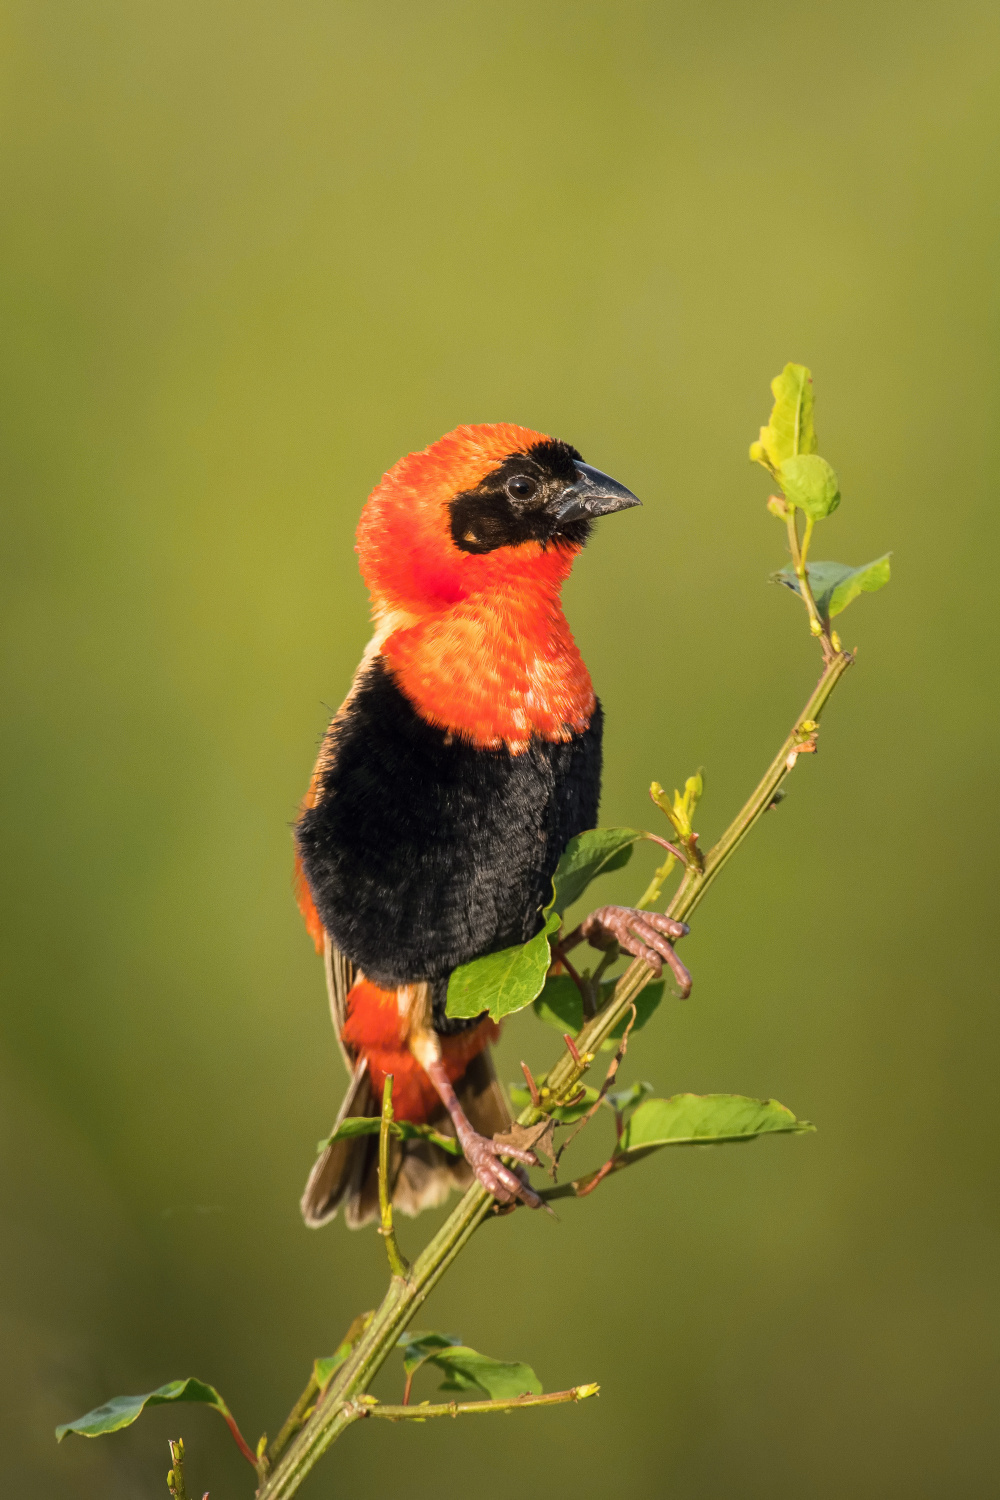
465	756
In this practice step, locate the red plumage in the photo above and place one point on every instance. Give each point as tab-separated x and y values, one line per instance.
377	1031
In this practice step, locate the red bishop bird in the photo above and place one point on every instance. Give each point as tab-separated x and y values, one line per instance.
464	758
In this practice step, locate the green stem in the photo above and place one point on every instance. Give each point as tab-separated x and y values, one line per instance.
654	889
340	1406
300	1410
294	1421
337	1408
802	574
398	1264
372	1408
175	1477
696	882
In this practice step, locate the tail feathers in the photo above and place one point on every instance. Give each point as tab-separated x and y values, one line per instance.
422	1174
335	1168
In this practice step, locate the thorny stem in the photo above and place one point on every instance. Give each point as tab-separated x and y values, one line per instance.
340	1405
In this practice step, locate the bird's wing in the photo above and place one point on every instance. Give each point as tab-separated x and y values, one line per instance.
339	979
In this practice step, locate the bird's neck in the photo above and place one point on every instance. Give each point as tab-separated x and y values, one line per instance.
496	668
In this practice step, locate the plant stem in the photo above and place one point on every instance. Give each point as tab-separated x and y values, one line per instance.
300	1410
336	1410
802	574
294	1420
696	882
175	1478
652	893
472	1408
398	1264
339	1406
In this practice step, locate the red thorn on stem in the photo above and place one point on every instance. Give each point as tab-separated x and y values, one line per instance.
574	1054
533	1089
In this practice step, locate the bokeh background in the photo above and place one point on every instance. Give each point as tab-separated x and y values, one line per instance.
252	254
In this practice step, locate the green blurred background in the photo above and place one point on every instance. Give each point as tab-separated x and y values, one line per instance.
252	254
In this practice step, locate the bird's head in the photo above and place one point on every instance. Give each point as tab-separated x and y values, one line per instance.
484	507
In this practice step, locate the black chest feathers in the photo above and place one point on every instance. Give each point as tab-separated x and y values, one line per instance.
423	852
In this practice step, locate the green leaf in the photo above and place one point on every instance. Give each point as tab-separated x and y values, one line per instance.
503	982
836	585
561	1006
403	1130
810	483
122	1411
465	1369
704	1120
590	854
790	430
563	1114
324	1368
418	1347
624	1101
501	1380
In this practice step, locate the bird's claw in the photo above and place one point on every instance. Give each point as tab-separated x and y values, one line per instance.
503	1182
645	934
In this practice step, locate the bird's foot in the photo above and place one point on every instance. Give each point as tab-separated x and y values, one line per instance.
483	1156
645	934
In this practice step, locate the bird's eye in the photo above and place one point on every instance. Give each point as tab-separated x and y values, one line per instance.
521	487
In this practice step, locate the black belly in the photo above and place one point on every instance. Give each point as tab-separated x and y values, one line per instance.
423	852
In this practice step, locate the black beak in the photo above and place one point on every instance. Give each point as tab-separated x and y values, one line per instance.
594	494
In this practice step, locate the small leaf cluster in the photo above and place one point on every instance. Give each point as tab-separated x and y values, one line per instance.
787	448
680	811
